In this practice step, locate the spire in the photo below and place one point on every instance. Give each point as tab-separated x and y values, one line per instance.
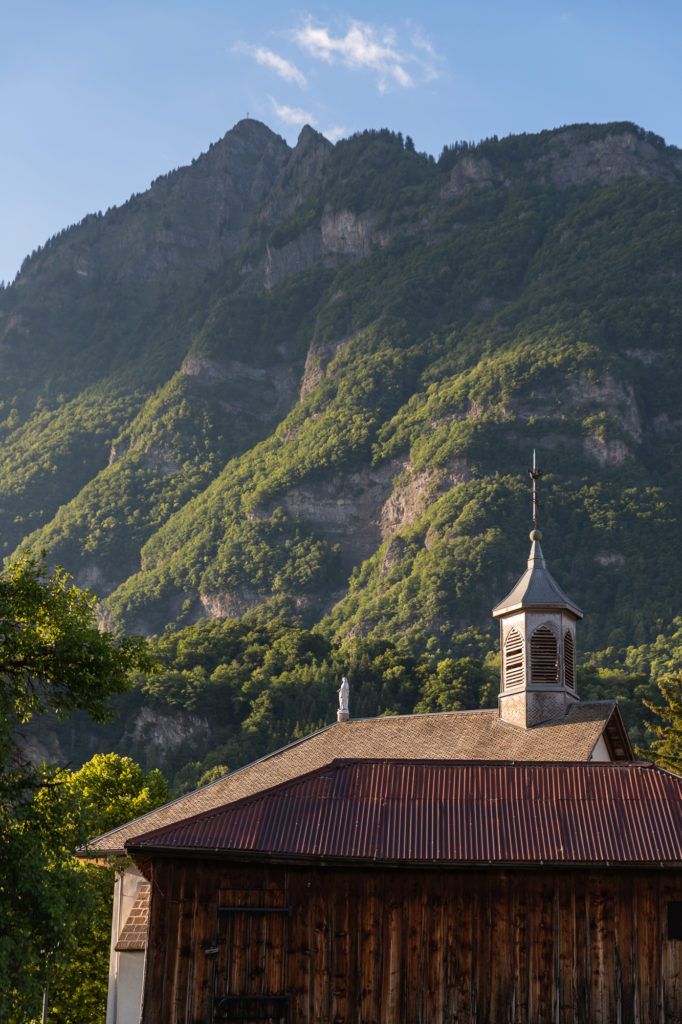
537	639
535	475
537	588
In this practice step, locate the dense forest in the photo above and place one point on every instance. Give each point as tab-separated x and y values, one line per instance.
277	410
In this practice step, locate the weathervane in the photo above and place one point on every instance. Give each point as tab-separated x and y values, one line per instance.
535	475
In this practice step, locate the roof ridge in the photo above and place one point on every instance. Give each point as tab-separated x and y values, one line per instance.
409	733
274	753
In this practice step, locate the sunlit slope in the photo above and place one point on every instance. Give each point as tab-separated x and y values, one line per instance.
350	398
103	315
441	362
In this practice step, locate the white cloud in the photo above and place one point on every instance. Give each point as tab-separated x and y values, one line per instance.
280	65
335	133
292	115
422	43
361	47
430	59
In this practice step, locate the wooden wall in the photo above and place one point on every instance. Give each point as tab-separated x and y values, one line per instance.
410	946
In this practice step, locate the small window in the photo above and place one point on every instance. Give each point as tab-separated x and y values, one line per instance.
513	659
675	920
569	659
544	656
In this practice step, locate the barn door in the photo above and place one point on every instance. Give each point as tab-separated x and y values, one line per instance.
250	983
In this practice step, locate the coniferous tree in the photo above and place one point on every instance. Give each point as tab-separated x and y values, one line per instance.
666	749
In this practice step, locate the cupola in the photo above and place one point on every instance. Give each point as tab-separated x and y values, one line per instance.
537	641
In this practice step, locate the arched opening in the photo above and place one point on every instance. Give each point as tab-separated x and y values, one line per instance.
569	659
544	656
513	658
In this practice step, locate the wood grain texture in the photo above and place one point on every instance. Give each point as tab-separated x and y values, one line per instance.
335	945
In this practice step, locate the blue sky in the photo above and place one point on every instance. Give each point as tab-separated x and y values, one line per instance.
101	96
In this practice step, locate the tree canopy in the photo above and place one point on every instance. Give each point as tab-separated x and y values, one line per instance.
107	791
53	659
666	749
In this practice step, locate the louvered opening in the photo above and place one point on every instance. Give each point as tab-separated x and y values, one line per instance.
513	659
544	656
569	659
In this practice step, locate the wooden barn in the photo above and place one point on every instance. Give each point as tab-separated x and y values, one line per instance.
559	907
423	891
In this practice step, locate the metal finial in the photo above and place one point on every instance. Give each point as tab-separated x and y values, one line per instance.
535	475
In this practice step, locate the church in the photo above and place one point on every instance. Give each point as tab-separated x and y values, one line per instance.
513	864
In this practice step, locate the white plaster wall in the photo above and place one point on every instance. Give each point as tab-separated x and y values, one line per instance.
600	751
125	987
113	955
130	978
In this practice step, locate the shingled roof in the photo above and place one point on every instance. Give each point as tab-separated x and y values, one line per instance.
456	735
537	588
445	811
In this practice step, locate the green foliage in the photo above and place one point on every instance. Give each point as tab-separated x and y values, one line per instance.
666	748
371	171
67	948
457	686
633	691
481	313
107	791
53	659
443	319
258	686
53	655
41	895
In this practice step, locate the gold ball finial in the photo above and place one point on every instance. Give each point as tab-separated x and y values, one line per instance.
535	535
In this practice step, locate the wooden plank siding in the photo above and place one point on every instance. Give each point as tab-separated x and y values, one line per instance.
342	944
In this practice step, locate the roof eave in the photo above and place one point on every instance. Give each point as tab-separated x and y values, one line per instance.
532	606
327	860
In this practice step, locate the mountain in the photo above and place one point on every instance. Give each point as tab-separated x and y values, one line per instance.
302	386
309	381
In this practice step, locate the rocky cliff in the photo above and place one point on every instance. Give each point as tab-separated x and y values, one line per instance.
306	380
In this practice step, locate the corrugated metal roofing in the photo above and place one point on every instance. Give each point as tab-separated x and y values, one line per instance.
452	735
462	812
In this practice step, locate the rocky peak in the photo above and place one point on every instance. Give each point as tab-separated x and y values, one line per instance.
568	157
309	139
247	159
188	221
620	154
297	177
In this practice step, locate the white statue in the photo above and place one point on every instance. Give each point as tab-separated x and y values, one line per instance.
344	690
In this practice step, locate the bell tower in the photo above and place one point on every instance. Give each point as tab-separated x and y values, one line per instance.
537	641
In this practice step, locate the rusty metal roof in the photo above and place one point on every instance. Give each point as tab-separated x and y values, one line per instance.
448	811
451	735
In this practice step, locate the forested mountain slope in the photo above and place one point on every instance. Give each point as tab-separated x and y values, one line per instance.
306	383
